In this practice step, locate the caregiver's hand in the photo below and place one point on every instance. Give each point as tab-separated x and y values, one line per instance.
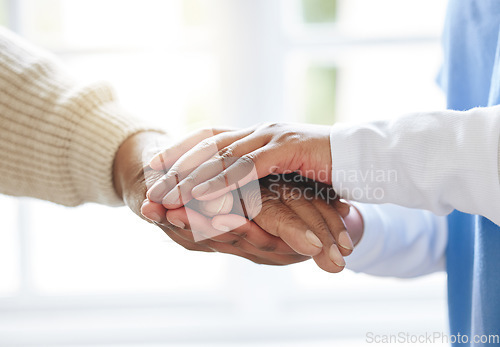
288	211
230	159
248	240
303	234
315	209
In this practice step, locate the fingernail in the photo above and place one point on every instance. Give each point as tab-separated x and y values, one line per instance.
228	222
155	161
336	257
150	215
220	205
200	189
172	198
345	240
153	216
157	191
177	223
221	227
313	239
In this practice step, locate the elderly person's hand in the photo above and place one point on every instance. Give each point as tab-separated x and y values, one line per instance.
228	159
288	210
248	241
295	211
283	220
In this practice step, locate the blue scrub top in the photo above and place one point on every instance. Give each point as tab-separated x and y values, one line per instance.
470	77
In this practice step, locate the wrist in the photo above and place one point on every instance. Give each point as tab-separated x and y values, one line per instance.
130	162
320	155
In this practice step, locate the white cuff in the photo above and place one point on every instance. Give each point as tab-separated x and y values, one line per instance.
439	161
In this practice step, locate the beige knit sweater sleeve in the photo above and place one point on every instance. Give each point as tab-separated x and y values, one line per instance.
57	139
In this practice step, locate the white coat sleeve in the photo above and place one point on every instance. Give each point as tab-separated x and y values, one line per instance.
439	161
399	242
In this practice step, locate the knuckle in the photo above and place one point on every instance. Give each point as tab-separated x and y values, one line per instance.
226	152
268	194
319	226
267	208
290	195
246	161
272	125
206	145
282	222
248	158
188	181
289	137
173	173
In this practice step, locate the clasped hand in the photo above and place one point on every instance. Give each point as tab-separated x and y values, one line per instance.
286	218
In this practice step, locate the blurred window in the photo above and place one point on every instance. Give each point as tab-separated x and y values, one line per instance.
319	11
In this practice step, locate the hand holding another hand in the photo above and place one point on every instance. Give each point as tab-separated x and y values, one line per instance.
287	212
309	225
224	160
248	241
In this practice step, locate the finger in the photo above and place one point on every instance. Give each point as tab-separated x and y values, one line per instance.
204	172
175	234
329	195
220	206
188	161
248	251
200	226
227	249
319	230
224	158
324	260
252	233
181	193
226	242
248	167
299	198
166	158
293	198
319	208
229	229
342	207
267	258
153	212
324	192
279	220
181	222
186	219
336	225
